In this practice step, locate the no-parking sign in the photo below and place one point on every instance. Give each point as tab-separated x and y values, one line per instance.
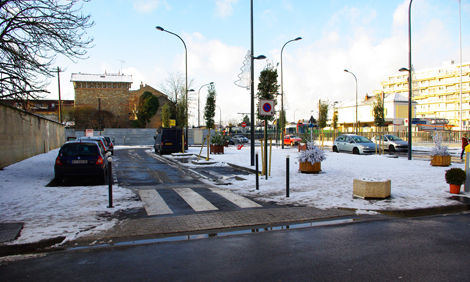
266	107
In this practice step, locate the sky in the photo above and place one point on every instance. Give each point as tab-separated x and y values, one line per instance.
367	37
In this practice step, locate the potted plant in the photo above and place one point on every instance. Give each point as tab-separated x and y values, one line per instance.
440	155
455	177
310	159
218	141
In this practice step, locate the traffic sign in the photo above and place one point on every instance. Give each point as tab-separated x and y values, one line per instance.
266	107
243	124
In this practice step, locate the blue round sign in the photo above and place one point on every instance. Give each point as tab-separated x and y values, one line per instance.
267	107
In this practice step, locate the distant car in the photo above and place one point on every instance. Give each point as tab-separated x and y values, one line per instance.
168	140
355	144
391	143
239	139
110	143
81	158
291	140
101	141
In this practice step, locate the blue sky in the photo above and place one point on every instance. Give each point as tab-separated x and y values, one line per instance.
370	38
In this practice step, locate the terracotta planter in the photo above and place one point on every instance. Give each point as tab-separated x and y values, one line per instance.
454	189
217	149
307	167
440	160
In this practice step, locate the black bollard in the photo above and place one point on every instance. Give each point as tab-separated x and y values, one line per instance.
257	174
110	182
287	176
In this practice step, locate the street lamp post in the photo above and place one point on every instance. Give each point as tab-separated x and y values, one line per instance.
252	96
186	78
220	117
355	78
198	102
282	92
410	83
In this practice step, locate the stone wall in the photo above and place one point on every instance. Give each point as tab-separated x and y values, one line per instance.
23	135
134	95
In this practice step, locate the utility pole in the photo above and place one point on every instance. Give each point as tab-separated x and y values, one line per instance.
60	101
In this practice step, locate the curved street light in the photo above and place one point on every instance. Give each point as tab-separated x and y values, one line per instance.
282	92
198	110
186	78
355	78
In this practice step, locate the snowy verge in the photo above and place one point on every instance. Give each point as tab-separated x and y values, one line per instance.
55	211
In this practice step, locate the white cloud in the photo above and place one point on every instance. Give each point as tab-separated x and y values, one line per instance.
224	7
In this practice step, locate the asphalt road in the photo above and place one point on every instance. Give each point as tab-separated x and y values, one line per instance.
417	249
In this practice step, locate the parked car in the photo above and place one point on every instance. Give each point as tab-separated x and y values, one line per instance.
110	143
168	140
239	139
355	144
291	140
391	143
81	158
101	141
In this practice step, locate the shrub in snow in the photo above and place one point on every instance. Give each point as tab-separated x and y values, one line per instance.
455	176
312	154
439	149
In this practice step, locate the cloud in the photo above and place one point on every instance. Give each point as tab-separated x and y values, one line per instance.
147	6
224	7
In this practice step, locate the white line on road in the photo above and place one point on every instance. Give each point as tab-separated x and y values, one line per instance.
238	200
196	201
154	203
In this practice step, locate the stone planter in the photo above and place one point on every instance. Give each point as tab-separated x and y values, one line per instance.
440	160
371	188
217	149
308	167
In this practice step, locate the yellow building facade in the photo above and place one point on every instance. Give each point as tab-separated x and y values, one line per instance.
439	93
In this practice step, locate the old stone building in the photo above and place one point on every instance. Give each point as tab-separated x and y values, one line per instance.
105	100
101	100
134	96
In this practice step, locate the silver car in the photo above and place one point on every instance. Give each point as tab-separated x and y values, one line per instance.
391	143
353	143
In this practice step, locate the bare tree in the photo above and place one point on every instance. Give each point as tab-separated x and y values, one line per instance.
32	34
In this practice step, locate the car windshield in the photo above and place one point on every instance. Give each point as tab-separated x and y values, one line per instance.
360	139
393	138
79	149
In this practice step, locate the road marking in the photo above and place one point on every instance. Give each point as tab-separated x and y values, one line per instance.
238	200
154	203
196	201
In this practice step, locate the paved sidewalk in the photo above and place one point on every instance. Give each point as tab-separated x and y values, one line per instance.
215	221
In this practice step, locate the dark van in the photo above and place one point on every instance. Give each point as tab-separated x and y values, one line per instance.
168	140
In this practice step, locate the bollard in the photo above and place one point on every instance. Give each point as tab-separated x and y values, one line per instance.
110	182
287	176
257	174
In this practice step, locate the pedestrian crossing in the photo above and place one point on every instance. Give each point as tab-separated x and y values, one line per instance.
191	200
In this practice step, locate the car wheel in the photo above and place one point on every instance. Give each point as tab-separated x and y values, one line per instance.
335	149
104	177
391	149
58	178
356	151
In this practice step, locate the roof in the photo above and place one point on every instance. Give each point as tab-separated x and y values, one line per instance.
107	77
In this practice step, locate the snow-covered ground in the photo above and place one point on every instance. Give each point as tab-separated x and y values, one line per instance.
415	183
55	211
77	211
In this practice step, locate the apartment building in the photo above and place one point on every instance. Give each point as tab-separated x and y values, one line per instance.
437	92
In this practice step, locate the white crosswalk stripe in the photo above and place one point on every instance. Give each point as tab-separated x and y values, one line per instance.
154	203
238	200
196	201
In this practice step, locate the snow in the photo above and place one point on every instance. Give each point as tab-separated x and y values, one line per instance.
55	211
415	183
74	212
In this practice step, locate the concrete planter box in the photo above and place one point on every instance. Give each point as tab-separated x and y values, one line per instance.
371	188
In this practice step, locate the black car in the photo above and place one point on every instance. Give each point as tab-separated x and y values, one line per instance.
168	140
81	158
